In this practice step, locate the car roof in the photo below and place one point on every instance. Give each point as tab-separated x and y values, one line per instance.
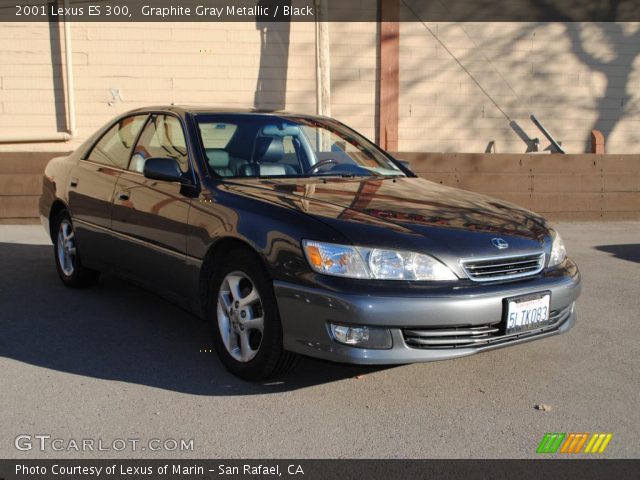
203	109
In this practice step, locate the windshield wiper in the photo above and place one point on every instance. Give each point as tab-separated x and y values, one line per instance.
347	175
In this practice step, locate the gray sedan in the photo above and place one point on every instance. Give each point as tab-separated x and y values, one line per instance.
293	234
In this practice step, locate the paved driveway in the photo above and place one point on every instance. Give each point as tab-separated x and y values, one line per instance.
117	362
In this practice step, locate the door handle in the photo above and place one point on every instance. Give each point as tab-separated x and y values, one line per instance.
124	196
73	183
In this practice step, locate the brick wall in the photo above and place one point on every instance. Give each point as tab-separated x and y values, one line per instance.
220	64
574	77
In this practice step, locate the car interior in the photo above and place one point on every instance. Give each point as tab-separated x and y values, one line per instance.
162	137
257	151
277	148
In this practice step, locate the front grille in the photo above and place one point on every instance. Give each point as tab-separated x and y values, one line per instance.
503	268
474	336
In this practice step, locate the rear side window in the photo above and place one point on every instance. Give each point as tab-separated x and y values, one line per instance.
162	137
114	148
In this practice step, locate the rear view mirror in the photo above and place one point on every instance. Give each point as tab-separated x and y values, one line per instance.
163	168
285	131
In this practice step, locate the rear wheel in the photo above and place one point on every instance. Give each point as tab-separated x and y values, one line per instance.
244	320
72	272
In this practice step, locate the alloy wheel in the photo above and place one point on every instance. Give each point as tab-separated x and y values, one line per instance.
240	316
66	248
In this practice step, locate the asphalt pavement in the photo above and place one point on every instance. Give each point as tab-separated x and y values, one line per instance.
117	362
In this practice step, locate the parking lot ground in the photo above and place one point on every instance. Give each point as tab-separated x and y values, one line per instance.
116	362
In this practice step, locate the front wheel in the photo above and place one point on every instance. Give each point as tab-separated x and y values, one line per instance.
244	320
72	272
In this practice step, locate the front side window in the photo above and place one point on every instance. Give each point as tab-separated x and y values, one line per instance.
272	146
114	148
162	137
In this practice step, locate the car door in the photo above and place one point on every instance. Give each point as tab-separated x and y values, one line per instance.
150	216
92	184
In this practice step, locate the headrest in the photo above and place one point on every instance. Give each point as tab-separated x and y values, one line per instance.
268	149
217	158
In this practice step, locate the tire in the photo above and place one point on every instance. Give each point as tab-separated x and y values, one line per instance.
67	257
249	348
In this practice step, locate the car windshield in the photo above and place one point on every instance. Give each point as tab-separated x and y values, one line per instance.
271	146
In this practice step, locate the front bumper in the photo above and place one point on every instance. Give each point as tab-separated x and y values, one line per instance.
306	312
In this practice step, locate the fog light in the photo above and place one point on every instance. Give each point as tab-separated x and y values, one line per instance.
363	337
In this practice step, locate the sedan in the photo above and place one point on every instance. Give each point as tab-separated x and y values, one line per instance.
295	235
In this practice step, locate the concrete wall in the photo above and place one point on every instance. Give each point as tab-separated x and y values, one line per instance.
21	185
561	187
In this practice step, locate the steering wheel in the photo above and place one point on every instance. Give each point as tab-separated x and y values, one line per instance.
321	163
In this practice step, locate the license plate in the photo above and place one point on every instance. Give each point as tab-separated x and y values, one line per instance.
527	313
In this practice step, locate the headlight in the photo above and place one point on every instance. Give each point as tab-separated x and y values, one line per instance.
558	251
373	263
333	259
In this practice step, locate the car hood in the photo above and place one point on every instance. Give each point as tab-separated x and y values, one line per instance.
408	213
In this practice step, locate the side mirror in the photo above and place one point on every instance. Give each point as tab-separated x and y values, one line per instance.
163	168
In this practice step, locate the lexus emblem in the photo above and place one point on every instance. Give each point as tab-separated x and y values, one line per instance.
499	243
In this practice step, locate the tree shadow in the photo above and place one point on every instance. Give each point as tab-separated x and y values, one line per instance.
613	105
116	331
629	252
579	75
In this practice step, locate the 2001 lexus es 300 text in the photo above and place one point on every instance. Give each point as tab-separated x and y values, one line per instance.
293	234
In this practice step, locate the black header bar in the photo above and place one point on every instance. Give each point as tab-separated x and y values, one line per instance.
307	11
188	469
